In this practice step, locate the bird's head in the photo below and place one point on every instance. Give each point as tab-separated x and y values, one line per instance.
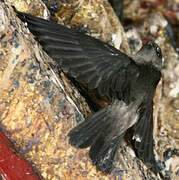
150	53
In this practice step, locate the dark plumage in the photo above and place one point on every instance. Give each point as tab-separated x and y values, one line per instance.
129	82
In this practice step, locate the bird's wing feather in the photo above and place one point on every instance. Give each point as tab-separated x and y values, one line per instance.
143	135
87	59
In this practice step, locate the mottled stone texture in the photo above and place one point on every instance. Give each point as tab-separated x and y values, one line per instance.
97	18
38	107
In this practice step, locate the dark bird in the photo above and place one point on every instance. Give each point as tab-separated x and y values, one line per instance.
129	82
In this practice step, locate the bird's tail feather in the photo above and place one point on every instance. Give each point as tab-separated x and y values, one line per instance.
102	153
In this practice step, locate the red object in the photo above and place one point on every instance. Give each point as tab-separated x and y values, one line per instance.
145	5
169	14
146	40
12	166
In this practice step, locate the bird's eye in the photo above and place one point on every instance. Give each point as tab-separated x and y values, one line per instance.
158	52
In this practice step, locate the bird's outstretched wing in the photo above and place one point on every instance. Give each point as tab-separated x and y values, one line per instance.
87	59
